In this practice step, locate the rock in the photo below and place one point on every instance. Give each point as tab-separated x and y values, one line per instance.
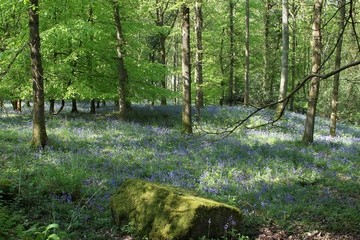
164	212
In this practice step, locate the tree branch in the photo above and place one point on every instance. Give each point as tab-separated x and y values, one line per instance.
239	123
7	69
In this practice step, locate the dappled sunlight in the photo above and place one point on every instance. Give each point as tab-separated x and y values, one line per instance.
265	172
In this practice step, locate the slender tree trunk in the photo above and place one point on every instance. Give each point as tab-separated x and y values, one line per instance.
74	108
123	76
247	55
61	107
335	91
175	66
284	57
39	138
232	53
266	80
308	136
163	62
294	11
52	106
16	105
199	57
186	70
93	106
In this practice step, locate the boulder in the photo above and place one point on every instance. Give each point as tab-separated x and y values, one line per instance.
164	212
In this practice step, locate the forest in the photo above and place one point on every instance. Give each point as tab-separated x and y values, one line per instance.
251	103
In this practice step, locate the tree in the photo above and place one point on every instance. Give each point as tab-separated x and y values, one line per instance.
39	128
199	56
122	72
247	55
231	52
266	79
308	136
165	23
186	71
284	57
335	91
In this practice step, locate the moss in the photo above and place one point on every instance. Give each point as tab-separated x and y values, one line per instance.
164	212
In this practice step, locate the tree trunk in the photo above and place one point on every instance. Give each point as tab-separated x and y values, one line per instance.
123	76
93	106
231	53
175	75
52	106
163	101
199	56
335	91
294	12
247	55
308	136
265	84
284	58
16	105
186	70
39	138
74	108
61	107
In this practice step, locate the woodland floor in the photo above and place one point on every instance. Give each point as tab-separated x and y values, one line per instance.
286	190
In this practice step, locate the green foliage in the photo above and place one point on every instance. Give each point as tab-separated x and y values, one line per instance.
267	173
10	223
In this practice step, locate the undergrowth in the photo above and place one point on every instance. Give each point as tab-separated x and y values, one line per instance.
64	190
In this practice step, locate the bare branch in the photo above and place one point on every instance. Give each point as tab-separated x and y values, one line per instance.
239	123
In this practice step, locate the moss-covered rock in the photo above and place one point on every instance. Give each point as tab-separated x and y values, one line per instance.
164	212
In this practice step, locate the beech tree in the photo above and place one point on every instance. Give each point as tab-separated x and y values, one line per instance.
308	136
247	54
199	101
284	57
336	81
186	70
39	128
122	71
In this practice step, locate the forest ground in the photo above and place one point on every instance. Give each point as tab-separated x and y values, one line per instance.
286	190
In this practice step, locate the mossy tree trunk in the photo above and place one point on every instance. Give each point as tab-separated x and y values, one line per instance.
39	138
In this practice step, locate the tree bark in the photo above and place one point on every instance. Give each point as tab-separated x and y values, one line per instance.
308	136
39	138
266	79
247	55
52	106
231	53
284	58
335	91
186	70
294	12
122	72
93	106
199	56
74	108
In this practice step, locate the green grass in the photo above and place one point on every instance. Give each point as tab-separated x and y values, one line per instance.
267	173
